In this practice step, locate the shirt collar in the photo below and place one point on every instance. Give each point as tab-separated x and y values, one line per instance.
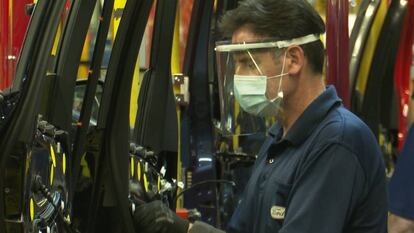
309	119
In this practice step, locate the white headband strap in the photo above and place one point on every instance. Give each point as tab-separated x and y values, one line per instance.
275	44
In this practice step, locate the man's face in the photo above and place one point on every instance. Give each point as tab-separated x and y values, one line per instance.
268	61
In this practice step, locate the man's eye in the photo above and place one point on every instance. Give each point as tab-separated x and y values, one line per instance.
246	63
251	65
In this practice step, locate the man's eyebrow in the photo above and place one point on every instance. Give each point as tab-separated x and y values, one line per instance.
243	60
241	57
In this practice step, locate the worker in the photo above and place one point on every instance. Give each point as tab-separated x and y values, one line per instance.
401	187
320	170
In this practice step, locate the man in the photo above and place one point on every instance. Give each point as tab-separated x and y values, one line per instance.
401	188
320	170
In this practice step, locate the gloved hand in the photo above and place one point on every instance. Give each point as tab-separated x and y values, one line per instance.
155	217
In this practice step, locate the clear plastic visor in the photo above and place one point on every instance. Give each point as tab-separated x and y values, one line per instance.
234	120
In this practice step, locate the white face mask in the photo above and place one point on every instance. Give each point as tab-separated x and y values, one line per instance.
250	91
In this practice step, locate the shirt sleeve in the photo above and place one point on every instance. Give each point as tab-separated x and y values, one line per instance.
326	192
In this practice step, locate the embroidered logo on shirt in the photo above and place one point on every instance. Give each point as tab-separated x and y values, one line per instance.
277	212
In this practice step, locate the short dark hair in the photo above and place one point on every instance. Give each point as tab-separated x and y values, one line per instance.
279	19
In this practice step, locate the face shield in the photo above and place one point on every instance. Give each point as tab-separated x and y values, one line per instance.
249	99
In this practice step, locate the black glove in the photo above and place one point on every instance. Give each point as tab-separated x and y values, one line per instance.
155	217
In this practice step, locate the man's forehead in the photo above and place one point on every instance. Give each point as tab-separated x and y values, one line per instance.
256	53
244	34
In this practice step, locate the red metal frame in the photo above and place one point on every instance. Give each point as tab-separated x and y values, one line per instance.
13	25
402	71
337	46
186	7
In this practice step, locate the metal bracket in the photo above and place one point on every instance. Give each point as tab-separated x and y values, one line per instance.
181	83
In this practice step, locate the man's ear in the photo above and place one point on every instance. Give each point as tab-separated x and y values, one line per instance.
295	59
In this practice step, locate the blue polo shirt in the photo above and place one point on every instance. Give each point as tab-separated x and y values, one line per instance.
325	176
401	187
